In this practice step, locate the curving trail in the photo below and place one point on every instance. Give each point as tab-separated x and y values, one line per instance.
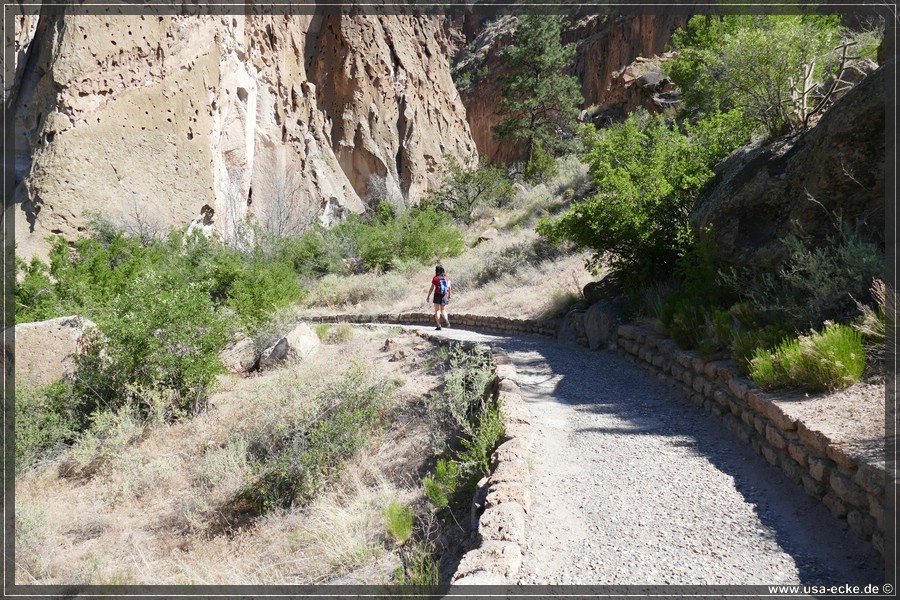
632	485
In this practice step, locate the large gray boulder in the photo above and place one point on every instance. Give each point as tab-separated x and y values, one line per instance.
301	342
240	355
601	322
44	351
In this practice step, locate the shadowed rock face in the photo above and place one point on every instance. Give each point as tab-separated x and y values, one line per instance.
264	115
760	192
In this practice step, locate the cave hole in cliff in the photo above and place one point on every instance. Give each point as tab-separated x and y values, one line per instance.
49	137
242	95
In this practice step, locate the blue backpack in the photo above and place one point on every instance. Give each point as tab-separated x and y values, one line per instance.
443	285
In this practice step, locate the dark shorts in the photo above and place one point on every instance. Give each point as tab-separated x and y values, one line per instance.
441	299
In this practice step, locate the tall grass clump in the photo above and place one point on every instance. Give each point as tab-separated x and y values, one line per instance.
821	361
398	521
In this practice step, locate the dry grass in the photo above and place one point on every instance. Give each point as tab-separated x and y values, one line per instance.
525	289
155	512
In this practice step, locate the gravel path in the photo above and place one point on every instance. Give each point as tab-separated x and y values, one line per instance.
633	485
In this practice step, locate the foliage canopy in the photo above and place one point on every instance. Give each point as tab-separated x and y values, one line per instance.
648	175
777	68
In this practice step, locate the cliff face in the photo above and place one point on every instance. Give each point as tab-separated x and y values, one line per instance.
605	44
281	119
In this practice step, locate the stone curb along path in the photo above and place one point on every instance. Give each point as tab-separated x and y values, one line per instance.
501	525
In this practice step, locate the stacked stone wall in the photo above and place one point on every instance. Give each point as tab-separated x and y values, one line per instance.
851	488
503	498
493	324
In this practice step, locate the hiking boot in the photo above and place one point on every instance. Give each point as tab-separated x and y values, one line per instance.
447	321
438	328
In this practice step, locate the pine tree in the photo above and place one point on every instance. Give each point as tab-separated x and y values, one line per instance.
540	102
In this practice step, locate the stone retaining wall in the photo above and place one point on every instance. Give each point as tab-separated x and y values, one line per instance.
494	324
851	488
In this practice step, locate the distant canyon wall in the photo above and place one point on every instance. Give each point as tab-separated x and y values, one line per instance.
605	44
280	119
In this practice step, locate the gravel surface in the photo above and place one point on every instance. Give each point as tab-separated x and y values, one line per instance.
633	485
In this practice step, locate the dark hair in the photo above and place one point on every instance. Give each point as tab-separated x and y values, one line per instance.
439	270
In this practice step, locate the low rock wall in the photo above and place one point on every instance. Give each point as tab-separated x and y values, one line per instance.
494	324
851	488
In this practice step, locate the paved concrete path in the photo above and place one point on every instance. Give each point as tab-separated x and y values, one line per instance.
632	485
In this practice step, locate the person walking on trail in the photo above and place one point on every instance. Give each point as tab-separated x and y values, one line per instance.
440	285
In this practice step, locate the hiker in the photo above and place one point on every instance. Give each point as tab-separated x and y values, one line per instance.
440	285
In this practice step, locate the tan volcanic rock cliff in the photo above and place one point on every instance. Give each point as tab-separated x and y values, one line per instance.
282	118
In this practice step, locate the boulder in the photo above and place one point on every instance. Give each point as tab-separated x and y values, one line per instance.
44	350
502	558
572	328
239	356
601	322
608	287
301	342
488	235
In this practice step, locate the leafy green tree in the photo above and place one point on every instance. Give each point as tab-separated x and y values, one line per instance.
774	67
648	175
540	102
465	190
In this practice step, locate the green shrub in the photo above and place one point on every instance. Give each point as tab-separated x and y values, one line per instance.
398	521
377	242
419	570
462	397
110	433
485	438
746	342
41	428
541	168
445	483
648	176
820	280
35	296
464	408
823	361
464	191
758	62
322	330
